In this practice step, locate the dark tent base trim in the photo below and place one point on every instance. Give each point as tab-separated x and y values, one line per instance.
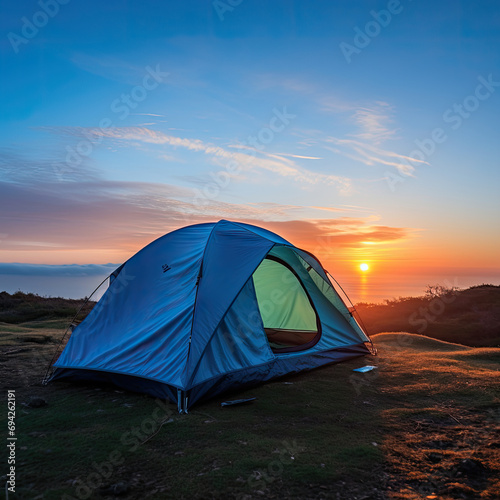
279	367
236	380
128	382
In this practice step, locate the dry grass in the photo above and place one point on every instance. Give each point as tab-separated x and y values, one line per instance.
425	424
444	420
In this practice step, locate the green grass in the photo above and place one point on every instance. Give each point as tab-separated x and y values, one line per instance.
207	450
294	435
328	433
9	328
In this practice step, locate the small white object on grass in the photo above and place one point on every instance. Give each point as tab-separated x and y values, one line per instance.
363	369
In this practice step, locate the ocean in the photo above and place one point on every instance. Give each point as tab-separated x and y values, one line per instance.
359	288
367	288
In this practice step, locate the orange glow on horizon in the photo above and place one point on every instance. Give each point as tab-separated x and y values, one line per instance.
341	245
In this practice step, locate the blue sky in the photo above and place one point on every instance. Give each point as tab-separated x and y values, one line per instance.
122	121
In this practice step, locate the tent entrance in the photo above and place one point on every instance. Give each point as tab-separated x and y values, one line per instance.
290	319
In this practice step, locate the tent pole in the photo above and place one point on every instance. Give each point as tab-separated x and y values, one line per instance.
363	327
182	401
70	327
179	401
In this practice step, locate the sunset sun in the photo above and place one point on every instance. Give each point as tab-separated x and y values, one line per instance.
364	267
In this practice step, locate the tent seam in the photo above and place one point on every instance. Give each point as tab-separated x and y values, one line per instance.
197	289
224	315
257	234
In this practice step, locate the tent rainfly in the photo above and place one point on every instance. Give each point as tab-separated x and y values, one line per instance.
211	307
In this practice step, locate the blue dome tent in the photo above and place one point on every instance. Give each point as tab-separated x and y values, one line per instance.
211	307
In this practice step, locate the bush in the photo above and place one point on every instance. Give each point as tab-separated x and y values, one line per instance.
21	307
470	317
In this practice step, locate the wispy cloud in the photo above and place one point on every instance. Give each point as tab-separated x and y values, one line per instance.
374	123
109	67
247	163
300	156
370	154
329	103
40	216
109	215
147	114
327	236
20	167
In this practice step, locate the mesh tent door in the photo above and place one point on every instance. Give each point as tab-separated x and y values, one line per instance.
288	314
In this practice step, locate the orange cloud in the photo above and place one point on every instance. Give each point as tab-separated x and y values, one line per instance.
103	221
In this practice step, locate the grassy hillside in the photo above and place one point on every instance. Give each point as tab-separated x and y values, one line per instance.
424	424
470	317
21	307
